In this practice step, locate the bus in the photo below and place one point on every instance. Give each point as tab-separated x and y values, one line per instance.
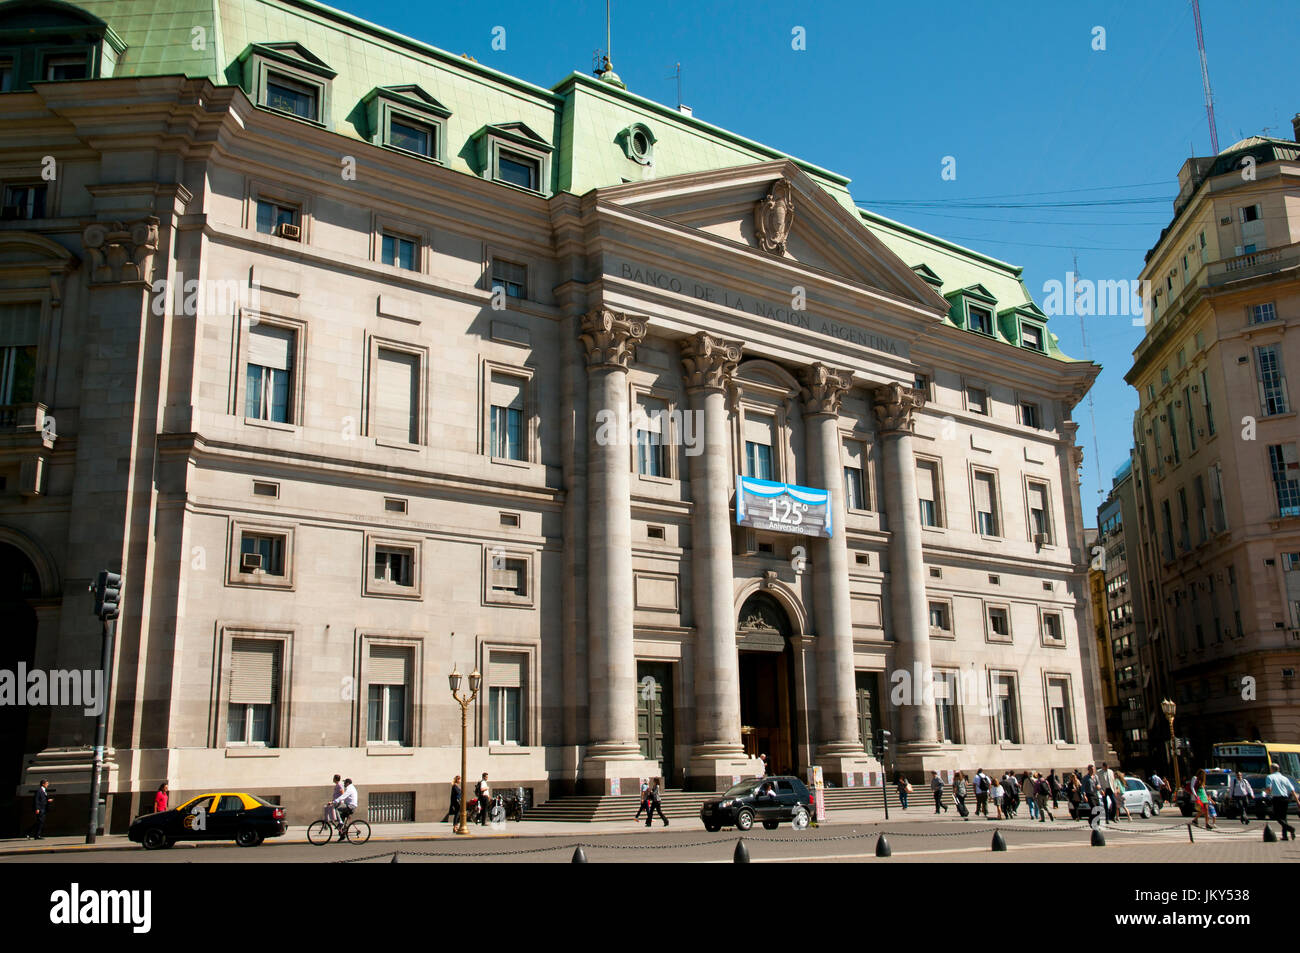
1253	757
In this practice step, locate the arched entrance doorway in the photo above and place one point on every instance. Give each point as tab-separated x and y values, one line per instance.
767	683
19	584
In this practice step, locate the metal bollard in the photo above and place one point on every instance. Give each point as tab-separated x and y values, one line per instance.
882	847
741	856
998	842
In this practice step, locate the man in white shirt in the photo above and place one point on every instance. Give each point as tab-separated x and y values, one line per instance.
1282	791
347	801
1242	793
1106	783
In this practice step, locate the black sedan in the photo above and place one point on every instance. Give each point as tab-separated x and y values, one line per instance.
244	818
769	800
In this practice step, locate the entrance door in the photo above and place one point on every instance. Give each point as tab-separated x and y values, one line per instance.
654	714
868	713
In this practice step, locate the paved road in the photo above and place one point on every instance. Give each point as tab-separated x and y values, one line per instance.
1161	840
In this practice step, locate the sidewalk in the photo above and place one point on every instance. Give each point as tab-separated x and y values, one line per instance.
428	831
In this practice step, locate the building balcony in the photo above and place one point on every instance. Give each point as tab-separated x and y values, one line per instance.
1253	264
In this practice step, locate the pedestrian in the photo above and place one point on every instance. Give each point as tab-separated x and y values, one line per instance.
655	804
959	793
1042	790
936	788
1054	786
483	791
453	809
998	793
1027	782
762	772
41	802
1106	790
1091	790
1201	802
904	789
1242	795
645	802
1121	785
982	786
1010	791
160	798
1280	789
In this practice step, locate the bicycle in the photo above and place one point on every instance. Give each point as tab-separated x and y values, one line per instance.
353	829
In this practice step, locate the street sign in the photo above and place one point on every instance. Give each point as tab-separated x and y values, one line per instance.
783	507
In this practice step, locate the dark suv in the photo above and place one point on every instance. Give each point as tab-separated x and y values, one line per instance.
769	800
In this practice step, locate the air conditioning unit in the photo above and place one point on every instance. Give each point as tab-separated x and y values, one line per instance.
1178	403
1040	539
1148	431
1169	458
1163	418
1200	431
1226	220
290	232
10	212
1196	388
250	562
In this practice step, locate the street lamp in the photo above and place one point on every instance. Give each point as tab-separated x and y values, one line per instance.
475	680
1168	707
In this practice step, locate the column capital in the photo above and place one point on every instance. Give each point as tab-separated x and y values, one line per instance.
121	252
709	361
610	338
823	389
895	406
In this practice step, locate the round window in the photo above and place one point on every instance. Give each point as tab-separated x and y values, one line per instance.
640	143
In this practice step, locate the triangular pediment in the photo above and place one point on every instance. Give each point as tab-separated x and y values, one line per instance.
776	209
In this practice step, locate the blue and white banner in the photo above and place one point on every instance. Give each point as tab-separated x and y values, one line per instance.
783	507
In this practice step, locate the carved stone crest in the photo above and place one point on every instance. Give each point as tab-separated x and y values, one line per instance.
894	405
121	252
773	216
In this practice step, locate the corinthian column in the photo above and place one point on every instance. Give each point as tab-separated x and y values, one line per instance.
709	363
895	405
837	735
610	340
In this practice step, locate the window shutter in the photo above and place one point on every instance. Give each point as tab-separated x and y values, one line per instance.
1037	497
1002	687
758	429
388	665
20	324
853	454
396	394
941	692
507	391
925	482
506	670
650	420
270	347
983	493
1055	694
254	672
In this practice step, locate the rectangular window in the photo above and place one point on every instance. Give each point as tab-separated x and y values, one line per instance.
517	169
272	217
510	576
977	400
1040	514
1184	520
1030	415
1151	393
1167	541
65	67
253	702
1006	704
922	385
986	500
1052	628
399	251
19	330
393	565
1181	358
940	620
261	554
1031	336
758	446
981	320
1291	579
506	681
1191	418
1236	600
1262	313
1172	423
946	696
1059	711
507	417
651	438
510	277
1250	213
6	74
855	485
999	622
386	714
24	201
411	136
1285	469
1271	380
396	413
927	492
290	96
1216	498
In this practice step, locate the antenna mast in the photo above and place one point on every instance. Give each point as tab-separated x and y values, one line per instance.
1205	77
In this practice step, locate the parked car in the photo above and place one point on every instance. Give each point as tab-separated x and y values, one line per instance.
768	800
244	818
1139	798
1217	785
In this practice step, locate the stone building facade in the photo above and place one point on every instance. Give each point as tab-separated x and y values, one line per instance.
362	374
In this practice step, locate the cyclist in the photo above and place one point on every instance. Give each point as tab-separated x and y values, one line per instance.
346	803
331	813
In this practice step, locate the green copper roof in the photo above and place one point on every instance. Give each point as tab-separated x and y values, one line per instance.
584	119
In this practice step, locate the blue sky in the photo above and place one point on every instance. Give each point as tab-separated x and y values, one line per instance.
883	92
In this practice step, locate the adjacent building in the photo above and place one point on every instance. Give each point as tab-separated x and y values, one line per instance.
1216	477
363	362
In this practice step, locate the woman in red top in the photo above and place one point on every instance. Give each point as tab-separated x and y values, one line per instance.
160	799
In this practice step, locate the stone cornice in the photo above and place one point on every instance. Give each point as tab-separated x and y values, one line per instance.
895	406
709	361
824	388
610	338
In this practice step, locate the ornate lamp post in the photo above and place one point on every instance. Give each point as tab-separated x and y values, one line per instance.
475	679
1168	707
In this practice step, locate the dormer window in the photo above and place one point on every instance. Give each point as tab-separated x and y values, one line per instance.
514	155
6	74
407	119
287	78
638	143
75	66
981	319
43	41
1031	336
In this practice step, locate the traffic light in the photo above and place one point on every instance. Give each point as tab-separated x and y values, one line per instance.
108	592
882	744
